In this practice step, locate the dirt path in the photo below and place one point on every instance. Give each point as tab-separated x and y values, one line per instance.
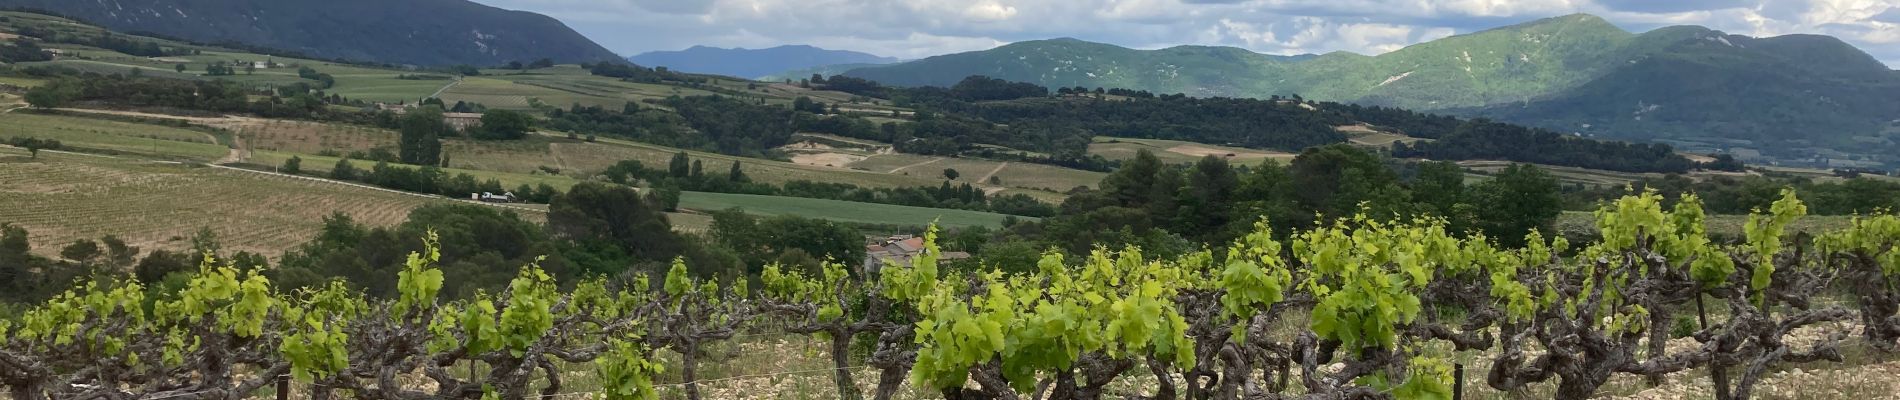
555	151
933	160
445	88
986	177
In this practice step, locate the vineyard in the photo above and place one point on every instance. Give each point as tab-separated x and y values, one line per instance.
1361	308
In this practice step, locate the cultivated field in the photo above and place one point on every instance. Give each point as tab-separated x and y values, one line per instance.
63	197
114	136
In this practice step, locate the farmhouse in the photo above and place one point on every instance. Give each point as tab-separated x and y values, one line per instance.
462	121
899	250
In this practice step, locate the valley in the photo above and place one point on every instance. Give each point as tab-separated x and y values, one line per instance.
191	221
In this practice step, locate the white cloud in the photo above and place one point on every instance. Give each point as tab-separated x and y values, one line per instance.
916	28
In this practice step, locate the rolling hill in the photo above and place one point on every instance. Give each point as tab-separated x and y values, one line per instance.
753	63
419	32
1797	98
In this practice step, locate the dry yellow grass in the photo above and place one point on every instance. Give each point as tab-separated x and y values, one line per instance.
60	198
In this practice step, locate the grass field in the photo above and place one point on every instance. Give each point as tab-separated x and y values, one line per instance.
1179	152
843	211
60	198
114	136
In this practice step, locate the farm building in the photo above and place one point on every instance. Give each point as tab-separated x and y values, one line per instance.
899	250
462	121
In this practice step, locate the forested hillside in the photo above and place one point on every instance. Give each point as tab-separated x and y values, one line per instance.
419	32
1797	99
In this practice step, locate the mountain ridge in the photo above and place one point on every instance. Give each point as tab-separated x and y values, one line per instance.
418	32
1791	97
753	63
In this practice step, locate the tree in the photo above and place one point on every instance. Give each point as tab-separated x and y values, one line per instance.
1335	180
179	67
1439	188
82	251
292	166
48	96
34	145
680	166
343	170
617	215
1205	205
541	63
504	125
420	142
736	175
951	173
1521	198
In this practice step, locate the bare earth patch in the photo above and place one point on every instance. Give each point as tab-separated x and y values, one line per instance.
837	160
1230	154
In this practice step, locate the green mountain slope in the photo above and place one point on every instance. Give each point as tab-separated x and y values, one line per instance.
1790	97
1796	97
1199	70
421	32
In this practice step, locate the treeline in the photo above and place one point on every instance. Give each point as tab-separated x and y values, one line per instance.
635	73
682	173
108	41
592	230
1481	139
1065	124
65	86
1171	209
433	180
1741	195
22	50
28	277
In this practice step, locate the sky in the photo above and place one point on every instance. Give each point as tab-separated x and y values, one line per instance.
912	29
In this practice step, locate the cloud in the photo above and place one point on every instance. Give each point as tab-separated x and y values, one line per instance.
918	28
1674	6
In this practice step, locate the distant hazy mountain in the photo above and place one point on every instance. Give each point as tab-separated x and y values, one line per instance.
1700	88
749	63
806	73
422	32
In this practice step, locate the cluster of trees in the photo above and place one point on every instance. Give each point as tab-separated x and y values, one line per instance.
537	64
106	40
593	230
636	73
22	50
1740	195
26	277
1378	308
1170	210
1481	139
65	86
428	179
788	240
325	81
